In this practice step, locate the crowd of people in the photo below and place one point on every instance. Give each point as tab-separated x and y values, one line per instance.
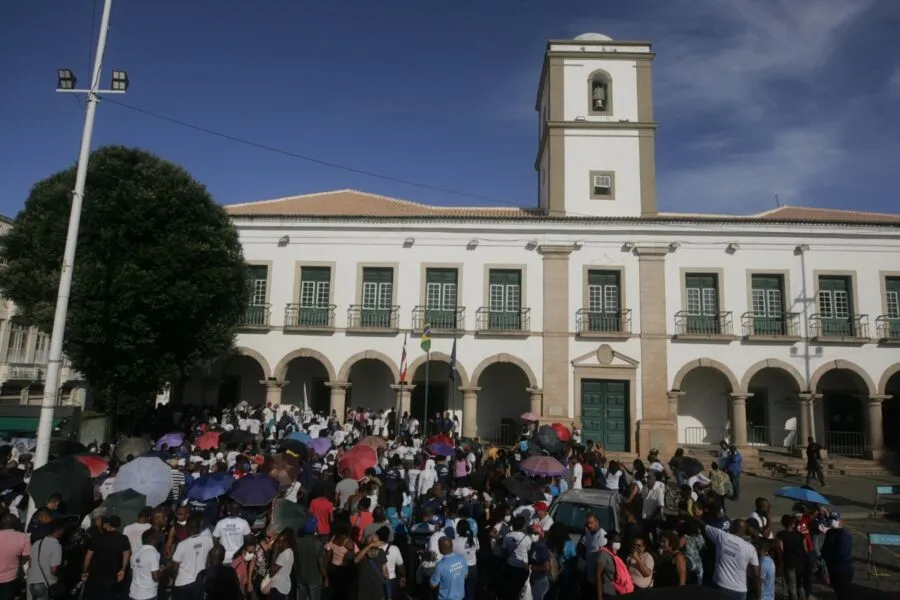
278	502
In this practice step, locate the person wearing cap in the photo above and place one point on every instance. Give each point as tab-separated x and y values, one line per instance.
106	560
539	561
541	517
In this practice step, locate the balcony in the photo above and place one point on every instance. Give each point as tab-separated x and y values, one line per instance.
763	328
849	330
309	318
713	326
503	322
256	317
441	320
373	320
888	329
26	371
600	324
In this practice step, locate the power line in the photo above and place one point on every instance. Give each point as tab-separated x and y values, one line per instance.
306	158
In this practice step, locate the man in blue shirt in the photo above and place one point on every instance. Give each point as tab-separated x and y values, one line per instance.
449	577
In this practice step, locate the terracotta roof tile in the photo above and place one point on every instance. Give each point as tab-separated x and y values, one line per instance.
803	213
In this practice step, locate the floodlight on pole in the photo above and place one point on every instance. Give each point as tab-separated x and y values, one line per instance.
54	362
119	81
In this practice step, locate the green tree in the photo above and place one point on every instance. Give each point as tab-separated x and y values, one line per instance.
160	283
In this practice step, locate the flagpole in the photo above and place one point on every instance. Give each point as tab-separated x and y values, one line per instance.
427	377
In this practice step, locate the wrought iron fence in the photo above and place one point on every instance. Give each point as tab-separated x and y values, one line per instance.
488	320
364	317
845	443
852	327
500	435
888	328
309	317
440	319
598	321
719	323
704	437
256	316
784	325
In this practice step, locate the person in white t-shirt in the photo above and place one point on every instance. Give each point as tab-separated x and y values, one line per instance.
145	568
517	545
736	559
396	572
190	556
577	474
231	530
135	531
283	565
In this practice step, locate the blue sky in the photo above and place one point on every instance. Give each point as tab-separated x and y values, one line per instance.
754	98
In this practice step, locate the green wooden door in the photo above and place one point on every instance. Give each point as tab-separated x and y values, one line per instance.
835	307
768	305
506	300
603	301
440	298
604	413
377	297
702	294
259	295
892	303
315	297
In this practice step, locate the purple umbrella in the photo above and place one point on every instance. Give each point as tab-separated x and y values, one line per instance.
172	440
439	449
254	490
544	466
320	445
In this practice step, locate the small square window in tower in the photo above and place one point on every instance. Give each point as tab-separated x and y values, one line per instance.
602	185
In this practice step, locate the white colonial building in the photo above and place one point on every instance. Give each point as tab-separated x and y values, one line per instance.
649	329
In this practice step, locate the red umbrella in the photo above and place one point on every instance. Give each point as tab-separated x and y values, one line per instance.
562	432
208	441
440	438
96	465
357	461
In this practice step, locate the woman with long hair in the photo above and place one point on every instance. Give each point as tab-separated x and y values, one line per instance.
244	565
466	545
671	568
339	553
281	566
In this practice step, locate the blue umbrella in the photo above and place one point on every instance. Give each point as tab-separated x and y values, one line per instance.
209	486
439	449
254	490
802	494
300	436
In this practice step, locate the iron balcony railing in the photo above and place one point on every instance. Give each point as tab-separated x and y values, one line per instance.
309	317
712	324
440	319
851	327
364	317
599	321
888	328
784	325
487	320
256	316
27	371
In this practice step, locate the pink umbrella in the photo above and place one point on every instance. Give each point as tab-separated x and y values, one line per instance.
530	416
544	466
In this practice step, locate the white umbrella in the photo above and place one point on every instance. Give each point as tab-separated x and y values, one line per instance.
148	475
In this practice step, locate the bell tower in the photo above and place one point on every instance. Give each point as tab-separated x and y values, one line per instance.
596	152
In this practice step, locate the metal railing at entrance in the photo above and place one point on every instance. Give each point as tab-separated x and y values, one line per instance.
500	435
703	437
845	443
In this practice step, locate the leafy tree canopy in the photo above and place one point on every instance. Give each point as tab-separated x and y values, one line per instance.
160	282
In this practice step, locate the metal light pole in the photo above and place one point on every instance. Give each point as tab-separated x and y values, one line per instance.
67	84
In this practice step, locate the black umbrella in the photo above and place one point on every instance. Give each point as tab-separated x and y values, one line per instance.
691	466
290	514
127	505
294	447
524	488
134	447
236	436
67	477
61	447
548	440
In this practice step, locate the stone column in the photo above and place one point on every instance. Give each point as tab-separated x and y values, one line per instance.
273	390
536	397
739	418
557	324
874	426
804	419
404	396
672	396
470	411
339	398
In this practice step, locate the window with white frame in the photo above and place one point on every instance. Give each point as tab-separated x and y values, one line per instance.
602	185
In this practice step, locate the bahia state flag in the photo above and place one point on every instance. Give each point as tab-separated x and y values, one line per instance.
425	344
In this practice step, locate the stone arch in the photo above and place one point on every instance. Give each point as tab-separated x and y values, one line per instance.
438	357
845	365
600	76
344	373
708	363
250	353
886	378
504	358
773	363
282	366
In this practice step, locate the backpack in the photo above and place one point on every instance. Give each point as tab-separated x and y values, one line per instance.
622	582
555	569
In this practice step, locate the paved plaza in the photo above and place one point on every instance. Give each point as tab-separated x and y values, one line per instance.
854	498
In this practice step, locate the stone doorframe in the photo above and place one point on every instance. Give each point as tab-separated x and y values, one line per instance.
623	372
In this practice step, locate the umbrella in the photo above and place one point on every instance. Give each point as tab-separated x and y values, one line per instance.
300	436
236	436
148	475
546	439
208	441
12	478
544	466
691	466
524	488
562	432
357	461
209	486
438	449
294	448
96	465
127	504
440	438
283	467
374	441
61	447
802	494
69	478
254	490
172	440
290	514
133	447
529	416
320	445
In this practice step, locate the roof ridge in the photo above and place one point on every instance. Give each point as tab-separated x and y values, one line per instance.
273	200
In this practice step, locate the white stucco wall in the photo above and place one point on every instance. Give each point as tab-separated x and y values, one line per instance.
602	150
